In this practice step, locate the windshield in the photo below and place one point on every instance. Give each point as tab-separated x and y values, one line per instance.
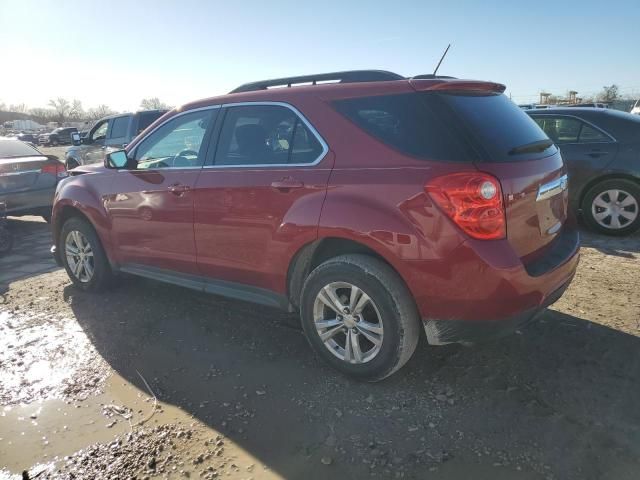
16	148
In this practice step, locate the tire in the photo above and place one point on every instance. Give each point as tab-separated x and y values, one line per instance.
627	211
101	275
71	164
390	303
6	240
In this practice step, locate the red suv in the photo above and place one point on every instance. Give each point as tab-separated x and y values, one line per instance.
371	203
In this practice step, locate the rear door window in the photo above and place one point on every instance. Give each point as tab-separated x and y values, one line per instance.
589	134
119	127
563	130
265	135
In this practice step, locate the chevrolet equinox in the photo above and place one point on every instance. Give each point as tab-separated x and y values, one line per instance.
371	203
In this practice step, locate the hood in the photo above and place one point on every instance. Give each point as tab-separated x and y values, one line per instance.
93	168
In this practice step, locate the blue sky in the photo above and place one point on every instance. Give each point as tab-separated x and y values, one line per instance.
117	52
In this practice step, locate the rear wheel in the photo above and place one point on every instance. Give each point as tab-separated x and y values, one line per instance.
612	207
359	316
83	257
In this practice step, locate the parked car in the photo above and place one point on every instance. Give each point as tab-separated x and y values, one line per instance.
60	136
109	134
588	105
635	110
374	205
601	148
28	179
31	138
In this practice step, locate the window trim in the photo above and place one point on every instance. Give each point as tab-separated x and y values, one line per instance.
312	129
551	115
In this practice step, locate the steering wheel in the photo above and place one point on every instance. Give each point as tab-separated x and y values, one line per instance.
180	160
184	153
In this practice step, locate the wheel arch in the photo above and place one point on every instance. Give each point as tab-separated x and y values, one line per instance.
602	178
315	253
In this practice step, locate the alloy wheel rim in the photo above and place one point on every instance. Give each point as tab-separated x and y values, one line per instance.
614	209
348	322
79	256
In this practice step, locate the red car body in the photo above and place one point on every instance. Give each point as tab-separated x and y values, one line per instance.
262	227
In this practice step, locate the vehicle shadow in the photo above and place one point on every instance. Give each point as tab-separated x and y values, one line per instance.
627	247
559	400
30	253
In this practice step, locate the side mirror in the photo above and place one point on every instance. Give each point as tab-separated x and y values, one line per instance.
75	138
117	159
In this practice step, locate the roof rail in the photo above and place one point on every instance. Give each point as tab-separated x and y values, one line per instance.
352	76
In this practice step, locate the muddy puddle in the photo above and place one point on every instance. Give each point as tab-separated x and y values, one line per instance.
66	414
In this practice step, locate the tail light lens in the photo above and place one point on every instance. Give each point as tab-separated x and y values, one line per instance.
473	201
54	168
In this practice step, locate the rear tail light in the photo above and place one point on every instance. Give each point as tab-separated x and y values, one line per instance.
473	201
55	168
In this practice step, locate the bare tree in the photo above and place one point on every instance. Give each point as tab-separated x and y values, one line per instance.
42	115
153	104
18	108
609	94
76	112
62	108
99	112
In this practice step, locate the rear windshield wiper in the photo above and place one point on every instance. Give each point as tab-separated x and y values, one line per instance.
533	147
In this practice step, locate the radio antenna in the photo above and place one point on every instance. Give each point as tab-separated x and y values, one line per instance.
441	58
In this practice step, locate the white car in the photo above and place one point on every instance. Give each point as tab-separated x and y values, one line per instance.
636	108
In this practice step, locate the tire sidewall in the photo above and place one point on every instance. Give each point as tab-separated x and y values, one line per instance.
387	357
101	266
619	184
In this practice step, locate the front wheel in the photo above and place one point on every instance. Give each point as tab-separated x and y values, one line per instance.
71	164
359	316
83	257
611	207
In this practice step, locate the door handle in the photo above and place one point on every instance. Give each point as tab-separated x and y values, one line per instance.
596	153
178	189
286	184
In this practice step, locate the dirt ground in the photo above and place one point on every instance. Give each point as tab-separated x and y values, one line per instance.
156	381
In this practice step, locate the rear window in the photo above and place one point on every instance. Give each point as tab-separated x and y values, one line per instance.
447	127
146	119
15	148
498	125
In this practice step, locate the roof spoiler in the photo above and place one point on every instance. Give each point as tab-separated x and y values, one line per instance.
457	86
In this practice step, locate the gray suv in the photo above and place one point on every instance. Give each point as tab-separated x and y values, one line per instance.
109	134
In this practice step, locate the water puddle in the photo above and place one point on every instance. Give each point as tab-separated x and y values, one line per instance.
64	412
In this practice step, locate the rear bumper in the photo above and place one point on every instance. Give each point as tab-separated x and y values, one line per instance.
29	202
489	291
442	332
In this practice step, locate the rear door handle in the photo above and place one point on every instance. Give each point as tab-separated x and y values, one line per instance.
596	153
286	184
178	189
